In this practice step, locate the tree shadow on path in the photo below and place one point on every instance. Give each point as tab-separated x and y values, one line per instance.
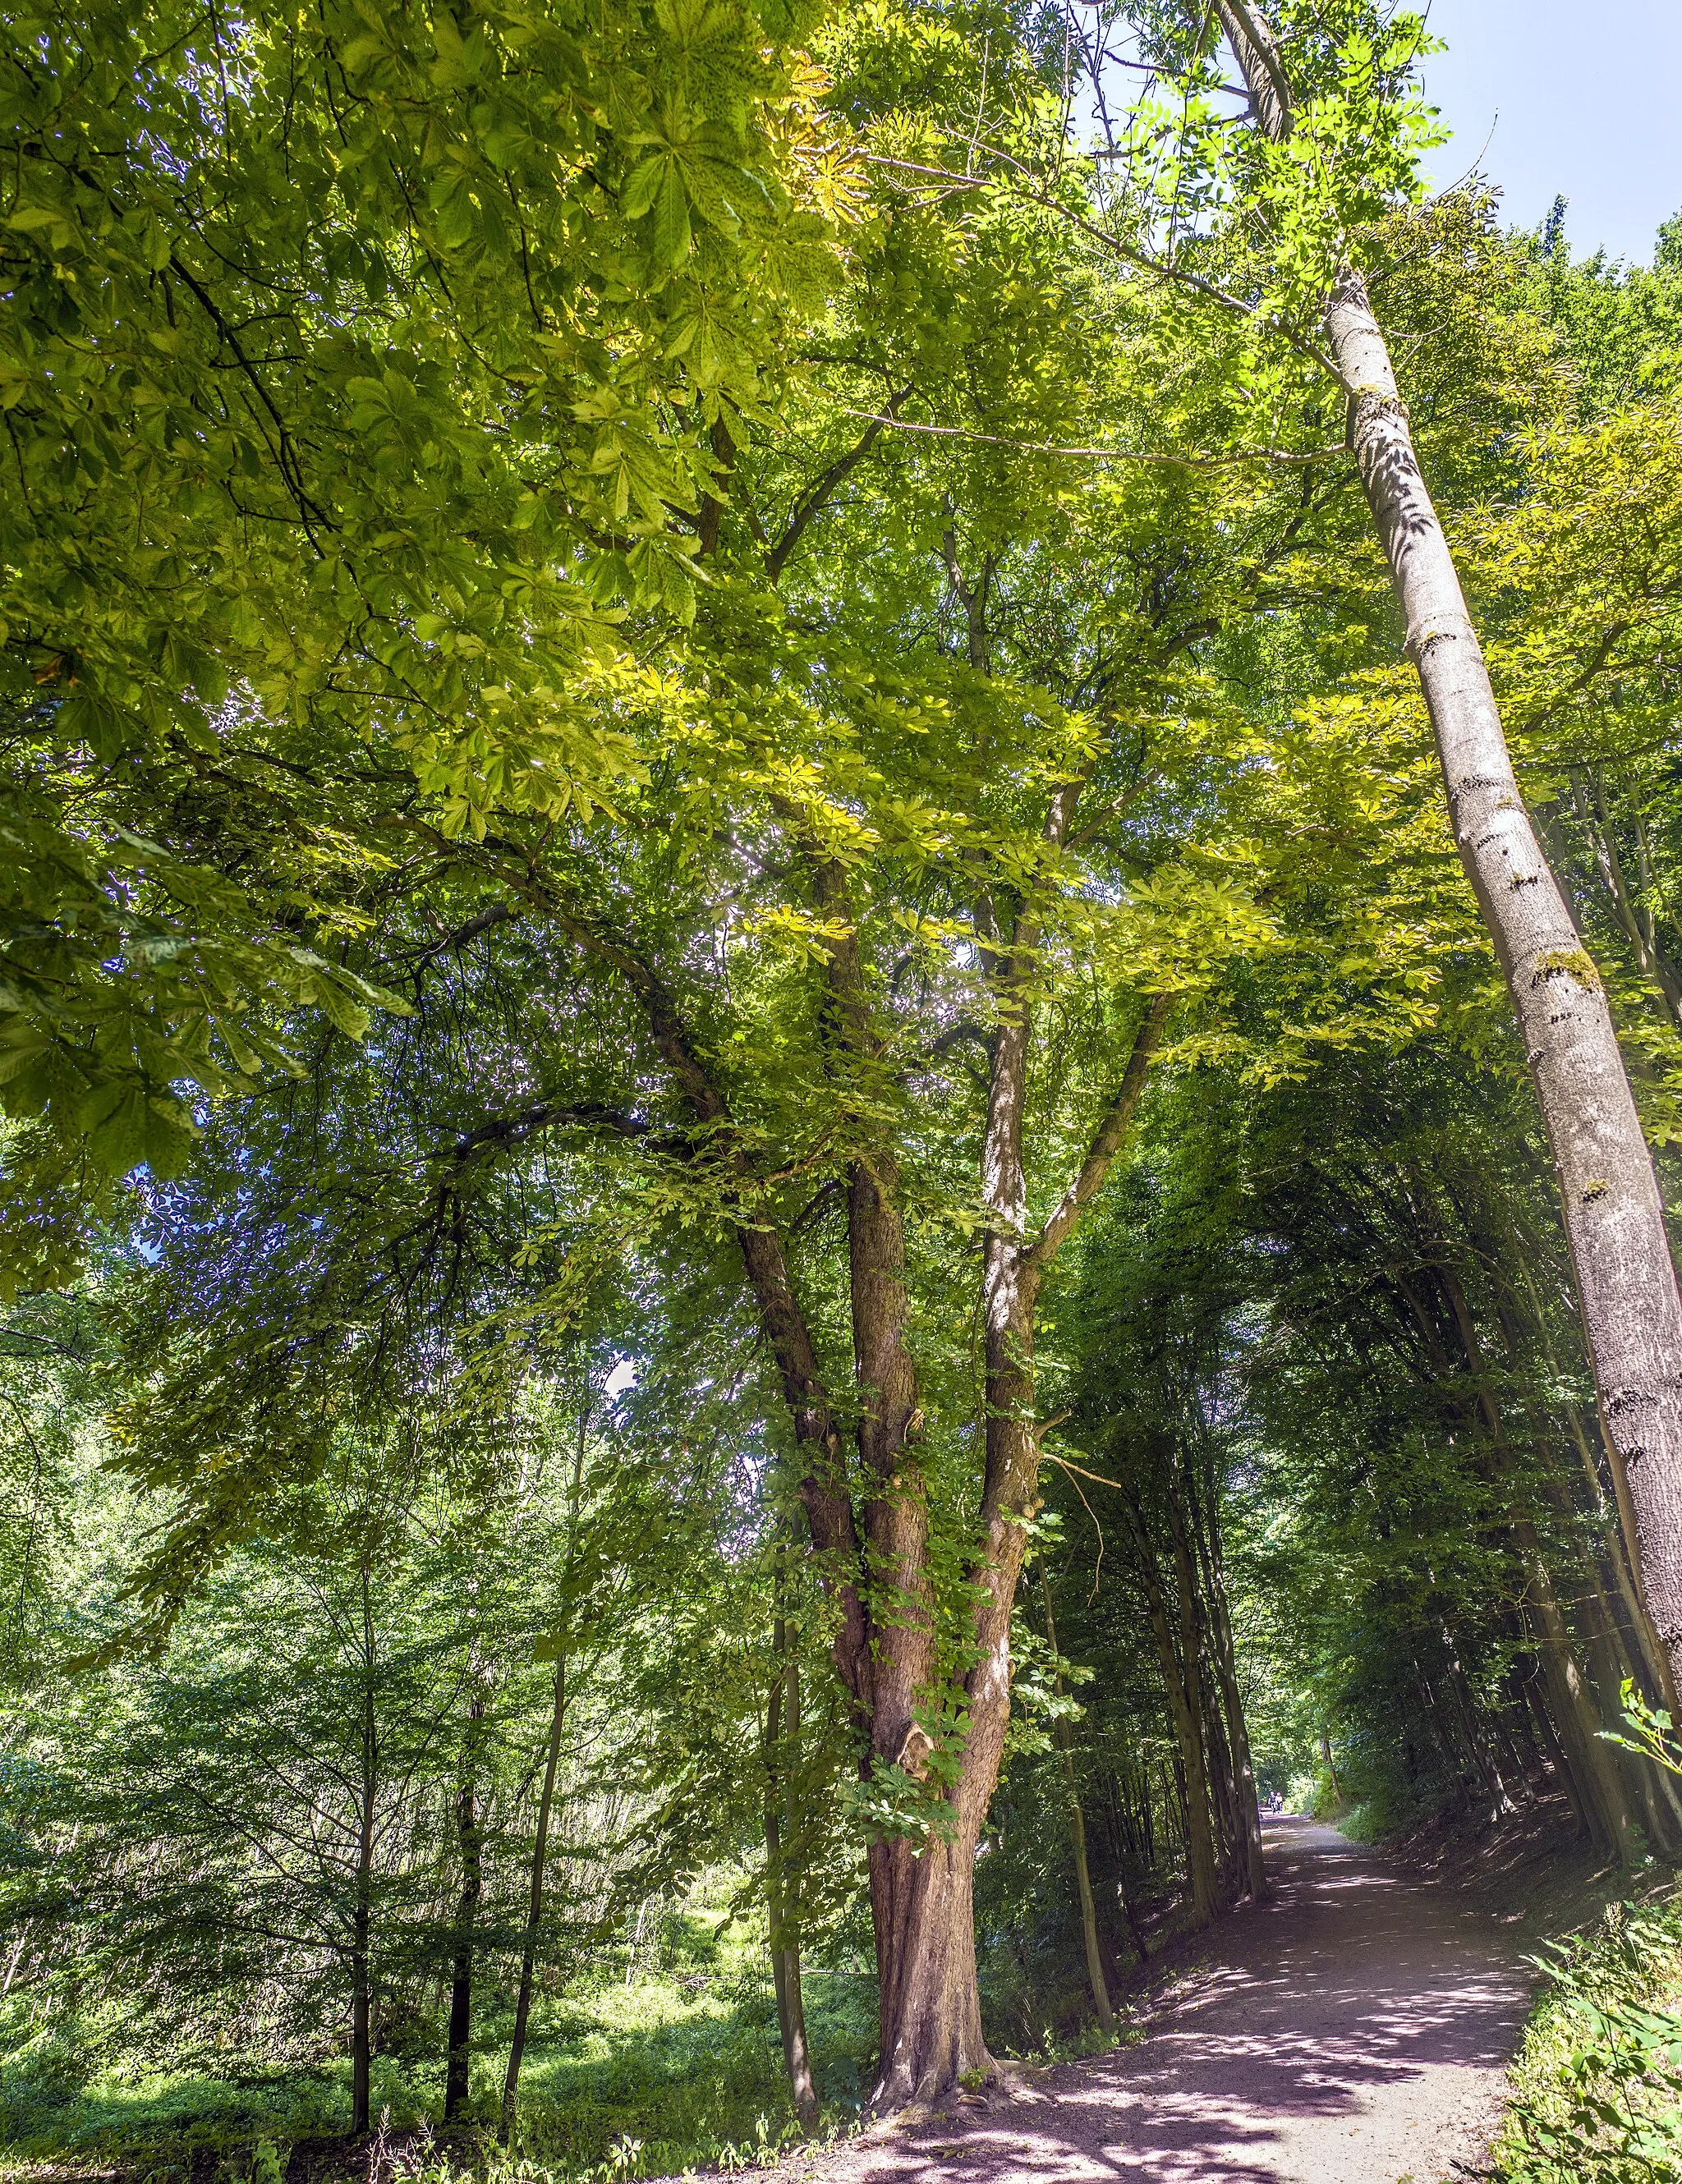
1356	2032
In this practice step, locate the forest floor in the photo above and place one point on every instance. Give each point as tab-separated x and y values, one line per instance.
1355	2031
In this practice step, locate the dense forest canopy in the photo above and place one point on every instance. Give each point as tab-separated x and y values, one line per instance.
842	1028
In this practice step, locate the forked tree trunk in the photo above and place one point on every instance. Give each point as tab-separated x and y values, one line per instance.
1614	1222
880	1585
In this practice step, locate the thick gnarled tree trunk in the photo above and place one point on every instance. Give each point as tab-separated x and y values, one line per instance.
1626	1280
923	1909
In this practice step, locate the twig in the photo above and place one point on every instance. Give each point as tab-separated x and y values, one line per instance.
1094	454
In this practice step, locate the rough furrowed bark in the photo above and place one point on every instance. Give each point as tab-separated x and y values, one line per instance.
1626	1281
922	1903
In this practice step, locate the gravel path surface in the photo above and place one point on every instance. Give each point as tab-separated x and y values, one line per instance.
1356	2031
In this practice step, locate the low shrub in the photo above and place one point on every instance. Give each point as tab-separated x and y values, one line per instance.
1598	2083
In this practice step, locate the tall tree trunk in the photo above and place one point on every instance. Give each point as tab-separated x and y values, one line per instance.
1614	1220
931	2027
1570	1702
923	1911
1077	1833
469	1837
557	1715
523	2006
921	1893
361	1997
1331	1769
782	1869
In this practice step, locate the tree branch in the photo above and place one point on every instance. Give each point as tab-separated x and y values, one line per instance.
1106	1140
813	502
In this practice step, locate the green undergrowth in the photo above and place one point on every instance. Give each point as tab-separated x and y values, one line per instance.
1597	2087
677	2067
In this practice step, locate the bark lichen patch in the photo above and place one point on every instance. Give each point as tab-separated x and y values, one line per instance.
1567	962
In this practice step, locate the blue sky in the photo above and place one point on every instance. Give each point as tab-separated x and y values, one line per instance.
1585	98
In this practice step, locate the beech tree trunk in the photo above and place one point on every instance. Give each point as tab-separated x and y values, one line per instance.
1626	1281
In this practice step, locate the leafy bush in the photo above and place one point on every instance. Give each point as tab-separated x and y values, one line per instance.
1599	2081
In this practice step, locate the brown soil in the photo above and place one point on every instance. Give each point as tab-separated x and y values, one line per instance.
1356	2030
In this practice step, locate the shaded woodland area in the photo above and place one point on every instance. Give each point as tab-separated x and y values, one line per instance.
806	1145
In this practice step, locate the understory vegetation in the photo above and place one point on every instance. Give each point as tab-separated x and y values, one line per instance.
781	1196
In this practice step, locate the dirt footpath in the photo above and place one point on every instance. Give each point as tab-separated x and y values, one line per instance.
1356	2031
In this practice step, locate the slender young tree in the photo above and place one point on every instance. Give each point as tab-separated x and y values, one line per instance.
783	1862
470	1837
551	1762
1078	1832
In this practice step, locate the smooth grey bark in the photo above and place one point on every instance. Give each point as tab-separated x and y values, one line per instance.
1614	1220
